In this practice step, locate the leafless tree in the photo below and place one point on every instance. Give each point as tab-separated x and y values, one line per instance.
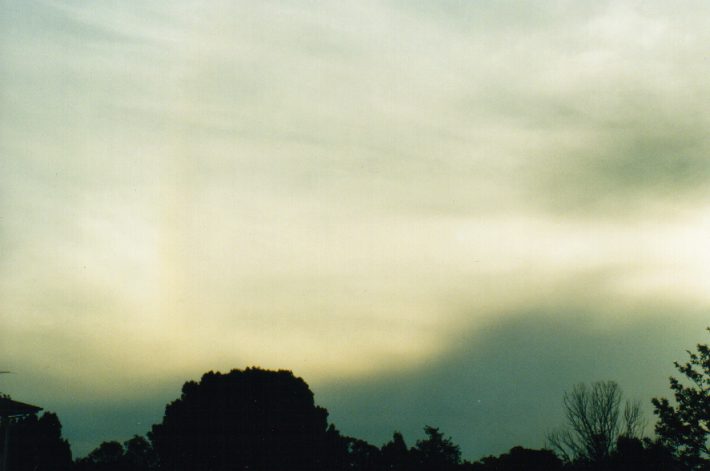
595	420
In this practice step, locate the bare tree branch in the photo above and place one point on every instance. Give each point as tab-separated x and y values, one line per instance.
595	422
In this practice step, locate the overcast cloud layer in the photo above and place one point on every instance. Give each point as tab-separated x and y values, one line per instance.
343	190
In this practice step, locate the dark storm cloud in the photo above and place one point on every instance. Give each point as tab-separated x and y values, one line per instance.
622	163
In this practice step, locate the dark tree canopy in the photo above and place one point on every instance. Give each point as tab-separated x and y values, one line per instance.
685	426
106	457
139	455
394	455
36	444
436	452
634	454
518	459
244	419
136	454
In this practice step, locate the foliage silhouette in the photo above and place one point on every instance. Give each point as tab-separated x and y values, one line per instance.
519	459
634	454
108	456
685	427
244	419
343	453
139	454
36	444
136	454
361	455
394	455
436	452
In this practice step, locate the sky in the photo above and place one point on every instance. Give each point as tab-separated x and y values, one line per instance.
441	213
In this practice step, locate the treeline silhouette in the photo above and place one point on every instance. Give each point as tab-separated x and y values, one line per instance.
256	419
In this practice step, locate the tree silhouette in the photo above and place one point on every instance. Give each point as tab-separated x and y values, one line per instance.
634	454
139	455
36	444
136	454
436	452
685	427
595	420
362	456
519	459
394	455
108	456
244	419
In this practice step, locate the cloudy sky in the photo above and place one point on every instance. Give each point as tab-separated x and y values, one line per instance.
439	213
